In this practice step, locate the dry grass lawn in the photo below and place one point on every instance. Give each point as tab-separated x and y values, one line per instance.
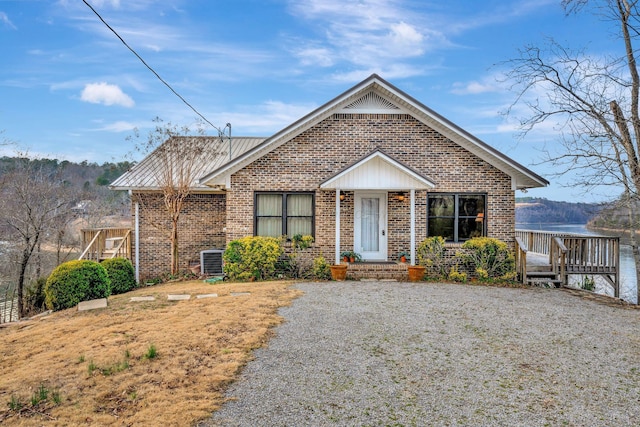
96	364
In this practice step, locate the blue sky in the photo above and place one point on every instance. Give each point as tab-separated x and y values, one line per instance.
72	90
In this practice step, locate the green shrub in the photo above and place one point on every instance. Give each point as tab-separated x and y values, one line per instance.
34	299
120	272
75	281
457	276
588	283
301	242
321	269
490	258
252	258
431	255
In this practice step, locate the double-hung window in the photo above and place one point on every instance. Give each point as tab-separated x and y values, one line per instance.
456	216
284	214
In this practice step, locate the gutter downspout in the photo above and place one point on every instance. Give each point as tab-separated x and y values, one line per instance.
137	239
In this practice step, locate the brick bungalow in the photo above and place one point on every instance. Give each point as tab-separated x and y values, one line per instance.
373	170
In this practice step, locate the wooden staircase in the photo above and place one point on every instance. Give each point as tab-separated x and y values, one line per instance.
105	243
543	275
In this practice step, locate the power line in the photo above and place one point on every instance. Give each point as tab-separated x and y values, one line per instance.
220	131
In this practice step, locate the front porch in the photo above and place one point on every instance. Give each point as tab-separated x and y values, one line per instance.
372	218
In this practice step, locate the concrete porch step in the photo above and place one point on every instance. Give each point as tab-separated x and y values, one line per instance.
373	270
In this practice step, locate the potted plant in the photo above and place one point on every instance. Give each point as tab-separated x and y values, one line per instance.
404	256
416	272
351	256
339	272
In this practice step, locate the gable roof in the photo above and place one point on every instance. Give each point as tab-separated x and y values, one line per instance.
214	153
377	171
374	94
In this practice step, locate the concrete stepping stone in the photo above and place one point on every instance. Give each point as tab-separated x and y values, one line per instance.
143	299
207	296
180	297
239	294
92	304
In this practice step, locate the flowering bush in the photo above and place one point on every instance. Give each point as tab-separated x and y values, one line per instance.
490	258
252	258
431	255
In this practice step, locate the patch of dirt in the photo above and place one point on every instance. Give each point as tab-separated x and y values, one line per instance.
98	361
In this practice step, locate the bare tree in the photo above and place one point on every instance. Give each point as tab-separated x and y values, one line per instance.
593	101
177	159
34	203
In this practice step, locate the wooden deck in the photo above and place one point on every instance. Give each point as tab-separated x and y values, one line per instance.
104	243
553	257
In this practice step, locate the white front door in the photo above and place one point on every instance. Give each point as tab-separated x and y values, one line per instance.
370	225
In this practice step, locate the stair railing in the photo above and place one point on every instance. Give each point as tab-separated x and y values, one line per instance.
90	246
123	250
521	260
558	259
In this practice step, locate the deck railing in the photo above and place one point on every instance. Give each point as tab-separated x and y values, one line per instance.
572	254
104	243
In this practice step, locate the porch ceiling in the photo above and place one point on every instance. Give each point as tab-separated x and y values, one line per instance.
378	171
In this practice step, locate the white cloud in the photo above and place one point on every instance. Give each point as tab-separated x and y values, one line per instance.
4	19
267	118
368	34
101	3
103	93
120	126
391	71
403	34
475	87
311	56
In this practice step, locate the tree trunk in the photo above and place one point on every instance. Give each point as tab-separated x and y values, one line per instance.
26	254
175	260
38	260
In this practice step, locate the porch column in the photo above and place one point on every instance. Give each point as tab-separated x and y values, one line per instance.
337	260
413	225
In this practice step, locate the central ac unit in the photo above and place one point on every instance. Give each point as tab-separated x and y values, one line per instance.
211	261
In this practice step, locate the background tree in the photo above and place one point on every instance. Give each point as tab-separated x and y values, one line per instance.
592	100
35	202
177	157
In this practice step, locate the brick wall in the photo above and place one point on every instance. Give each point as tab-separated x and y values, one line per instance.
201	226
339	141
314	156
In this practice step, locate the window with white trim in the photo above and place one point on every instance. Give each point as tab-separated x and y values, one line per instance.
284	214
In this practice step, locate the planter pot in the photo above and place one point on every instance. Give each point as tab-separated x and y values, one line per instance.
345	258
339	272
352	259
403	259
416	273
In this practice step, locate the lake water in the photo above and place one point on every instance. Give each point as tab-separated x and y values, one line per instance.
628	282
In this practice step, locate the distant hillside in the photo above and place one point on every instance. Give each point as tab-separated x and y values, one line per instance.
543	211
615	216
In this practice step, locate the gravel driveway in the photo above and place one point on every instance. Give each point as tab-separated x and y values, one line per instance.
402	354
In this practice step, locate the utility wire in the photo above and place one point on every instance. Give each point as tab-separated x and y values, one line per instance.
220	131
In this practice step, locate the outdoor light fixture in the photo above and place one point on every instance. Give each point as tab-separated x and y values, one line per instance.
400	197
342	195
